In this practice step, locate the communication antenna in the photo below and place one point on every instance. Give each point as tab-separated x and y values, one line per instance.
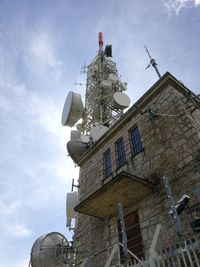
51	250
152	62
172	205
100	40
84	68
105	102
71	202
79	84
73	185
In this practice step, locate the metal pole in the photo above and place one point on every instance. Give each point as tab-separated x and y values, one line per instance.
89	245
172	206
152	62
123	230
62	254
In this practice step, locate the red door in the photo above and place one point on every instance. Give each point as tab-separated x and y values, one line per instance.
134	237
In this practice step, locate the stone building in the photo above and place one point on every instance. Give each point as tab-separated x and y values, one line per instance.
158	136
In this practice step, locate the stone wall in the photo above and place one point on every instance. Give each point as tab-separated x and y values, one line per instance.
171	144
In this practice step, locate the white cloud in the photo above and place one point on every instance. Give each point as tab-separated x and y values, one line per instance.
8	208
38	110
174	6
42	47
17	230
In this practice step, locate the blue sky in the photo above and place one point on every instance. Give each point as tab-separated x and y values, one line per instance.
43	45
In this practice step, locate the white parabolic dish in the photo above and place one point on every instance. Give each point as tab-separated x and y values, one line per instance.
121	100
106	83
112	77
72	110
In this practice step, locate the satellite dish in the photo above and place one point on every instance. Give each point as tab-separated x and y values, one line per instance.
113	77
106	83
72	110
97	132
71	202
123	86
76	148
121	100
47	251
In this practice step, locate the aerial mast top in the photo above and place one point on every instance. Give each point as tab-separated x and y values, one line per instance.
152	62
100	40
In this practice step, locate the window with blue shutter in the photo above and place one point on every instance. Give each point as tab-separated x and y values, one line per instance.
107	164
136	140
121	156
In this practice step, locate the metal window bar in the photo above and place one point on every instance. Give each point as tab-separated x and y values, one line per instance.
136	140
107	163
121	156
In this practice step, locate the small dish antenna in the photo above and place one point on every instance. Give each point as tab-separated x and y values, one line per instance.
113	78
50	250
121	100
77	145
106	83
72	110
76	148
123	86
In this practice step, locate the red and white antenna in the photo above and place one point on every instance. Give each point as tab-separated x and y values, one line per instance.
100	40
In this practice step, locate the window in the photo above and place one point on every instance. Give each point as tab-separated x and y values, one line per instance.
136	140
107	165
121	157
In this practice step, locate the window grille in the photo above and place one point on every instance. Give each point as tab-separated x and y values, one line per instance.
121	156
136	140
107	163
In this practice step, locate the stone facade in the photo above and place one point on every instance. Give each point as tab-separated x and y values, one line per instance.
171	143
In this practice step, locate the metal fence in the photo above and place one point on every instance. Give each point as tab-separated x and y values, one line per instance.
186	254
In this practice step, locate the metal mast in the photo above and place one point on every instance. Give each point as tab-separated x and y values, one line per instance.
99	90
172	206
152	62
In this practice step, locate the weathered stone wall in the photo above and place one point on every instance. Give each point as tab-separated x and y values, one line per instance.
171	144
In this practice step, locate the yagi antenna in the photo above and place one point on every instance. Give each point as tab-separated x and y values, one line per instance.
152	62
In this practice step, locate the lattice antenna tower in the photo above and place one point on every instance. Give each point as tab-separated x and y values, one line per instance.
102	82
105	102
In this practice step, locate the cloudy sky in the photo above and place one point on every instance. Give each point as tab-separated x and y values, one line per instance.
43	45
